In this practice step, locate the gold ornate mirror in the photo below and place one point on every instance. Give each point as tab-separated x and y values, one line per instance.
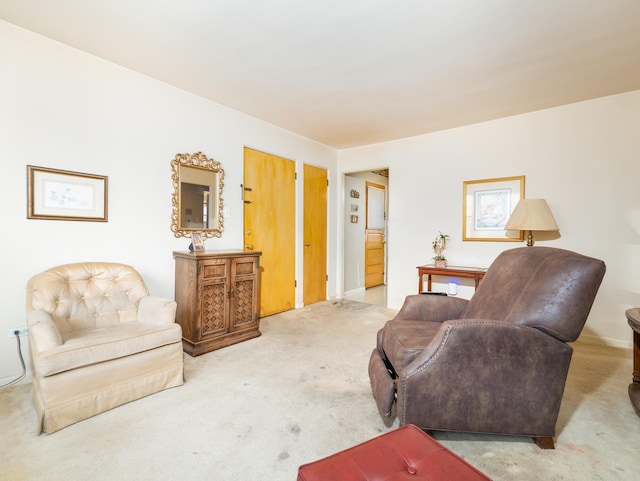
197	195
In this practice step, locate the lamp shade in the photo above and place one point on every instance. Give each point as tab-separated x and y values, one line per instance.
532	214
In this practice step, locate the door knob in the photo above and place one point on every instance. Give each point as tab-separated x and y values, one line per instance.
306	244
249	247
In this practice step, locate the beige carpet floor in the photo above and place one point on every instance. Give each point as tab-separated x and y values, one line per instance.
259	409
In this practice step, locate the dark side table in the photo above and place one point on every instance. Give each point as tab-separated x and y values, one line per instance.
633	316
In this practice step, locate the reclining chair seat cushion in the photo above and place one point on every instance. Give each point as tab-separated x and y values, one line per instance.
402	341
91	346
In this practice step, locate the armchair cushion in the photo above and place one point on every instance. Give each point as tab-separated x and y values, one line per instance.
90	346
417	322
403	341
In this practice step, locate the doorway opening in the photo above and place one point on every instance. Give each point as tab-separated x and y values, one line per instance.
365	260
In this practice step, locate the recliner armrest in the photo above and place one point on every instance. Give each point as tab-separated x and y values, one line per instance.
431	308
471	336
43	332
156	310
486	367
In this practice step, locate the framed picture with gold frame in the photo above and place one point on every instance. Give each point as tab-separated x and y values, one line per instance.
486	207
54	194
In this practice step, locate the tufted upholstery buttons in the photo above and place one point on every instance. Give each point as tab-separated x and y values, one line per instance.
412	470
88	295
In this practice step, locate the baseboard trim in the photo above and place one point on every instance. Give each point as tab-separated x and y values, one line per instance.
603	341
354	292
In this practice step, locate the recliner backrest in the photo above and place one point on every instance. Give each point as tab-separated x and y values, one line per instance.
87	295
542	287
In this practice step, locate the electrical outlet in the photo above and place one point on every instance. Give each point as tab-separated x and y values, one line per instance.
23	331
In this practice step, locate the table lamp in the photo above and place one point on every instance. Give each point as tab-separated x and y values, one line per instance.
531	214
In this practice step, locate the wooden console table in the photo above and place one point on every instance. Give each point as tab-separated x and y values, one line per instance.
475	273
633	316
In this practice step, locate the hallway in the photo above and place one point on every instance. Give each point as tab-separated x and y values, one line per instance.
374	295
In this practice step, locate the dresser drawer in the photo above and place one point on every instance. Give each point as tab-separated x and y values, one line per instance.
215	269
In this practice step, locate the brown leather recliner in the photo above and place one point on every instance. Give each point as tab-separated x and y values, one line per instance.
496	363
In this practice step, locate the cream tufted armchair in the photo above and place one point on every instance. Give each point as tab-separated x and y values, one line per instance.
98	340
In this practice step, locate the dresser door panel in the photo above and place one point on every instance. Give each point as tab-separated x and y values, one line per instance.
244	294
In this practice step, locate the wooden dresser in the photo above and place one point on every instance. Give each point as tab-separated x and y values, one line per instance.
217	294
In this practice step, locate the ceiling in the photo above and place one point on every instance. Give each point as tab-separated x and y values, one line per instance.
355	72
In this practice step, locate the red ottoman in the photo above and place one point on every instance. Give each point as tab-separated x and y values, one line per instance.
406	453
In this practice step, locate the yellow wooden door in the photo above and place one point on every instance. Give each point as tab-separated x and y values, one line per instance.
315	235
269	226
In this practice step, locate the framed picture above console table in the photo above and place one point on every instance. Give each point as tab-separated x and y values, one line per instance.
475	273
217	293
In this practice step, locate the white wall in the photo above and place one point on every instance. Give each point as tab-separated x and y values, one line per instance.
64	109
354	237
583	158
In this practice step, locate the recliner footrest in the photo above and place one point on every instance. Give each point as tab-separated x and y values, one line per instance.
384	387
